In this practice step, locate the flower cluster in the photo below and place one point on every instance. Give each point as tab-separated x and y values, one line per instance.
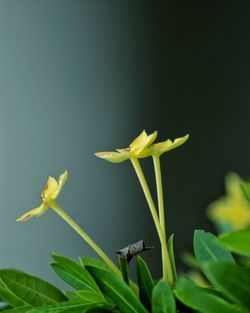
143	146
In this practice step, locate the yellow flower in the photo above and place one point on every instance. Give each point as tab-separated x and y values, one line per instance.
231	212
141	143
136	149
48	196
164	146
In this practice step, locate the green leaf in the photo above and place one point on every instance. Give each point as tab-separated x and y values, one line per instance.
71	306
185	288
203	300
170	246
208	248
85	261
145	282
123	265
73	273
163	299
89	296
246	189
183	292
9	297
71	295
233	280
118	291
22	309
237	242
30	289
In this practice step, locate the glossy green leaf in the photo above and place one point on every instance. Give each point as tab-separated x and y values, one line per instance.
233	280
22	309
246	189
73	273
116	289
170	246
124	268
89	296
71	306
85	261
183	292
71	295
145	282
30	289
184	289
10	297
163	299
208	248
203	300
237	242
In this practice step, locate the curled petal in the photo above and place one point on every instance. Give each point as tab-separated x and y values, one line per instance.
141	143
138	141
53	188
114	157
233	185
61	181
165	146
35	212
50	189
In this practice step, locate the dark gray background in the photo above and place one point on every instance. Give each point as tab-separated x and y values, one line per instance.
84	76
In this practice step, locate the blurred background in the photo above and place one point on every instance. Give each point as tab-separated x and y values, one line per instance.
84	76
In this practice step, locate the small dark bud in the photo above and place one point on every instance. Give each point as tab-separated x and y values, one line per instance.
133	249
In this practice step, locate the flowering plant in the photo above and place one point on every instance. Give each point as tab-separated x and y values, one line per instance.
219	284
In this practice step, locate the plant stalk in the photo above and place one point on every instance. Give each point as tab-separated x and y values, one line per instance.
158	178
166	266
85	236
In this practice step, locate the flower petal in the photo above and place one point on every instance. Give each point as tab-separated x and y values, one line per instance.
138	141
231	212
35	212
61	181
233	209
114	157
141	143
233	185
50	188
165	146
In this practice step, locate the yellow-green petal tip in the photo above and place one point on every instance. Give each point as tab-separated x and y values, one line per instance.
114	157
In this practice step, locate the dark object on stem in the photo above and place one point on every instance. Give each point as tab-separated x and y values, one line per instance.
133	249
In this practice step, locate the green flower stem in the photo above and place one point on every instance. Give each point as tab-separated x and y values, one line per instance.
82	233
167	270
158	178
90	242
